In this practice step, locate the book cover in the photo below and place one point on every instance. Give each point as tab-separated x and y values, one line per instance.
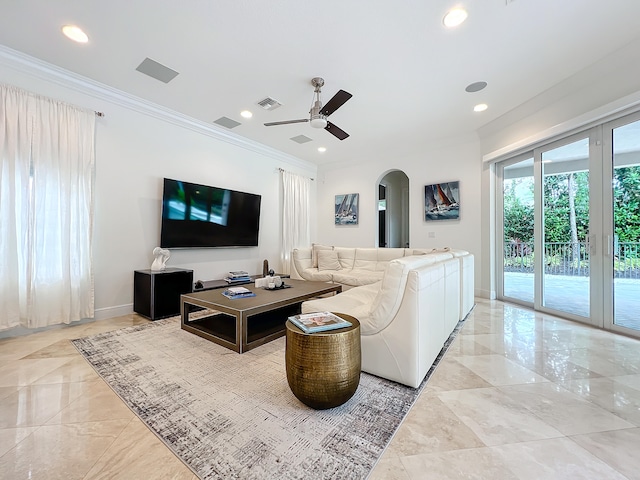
237	280
237	290
318	322
232	295
238	274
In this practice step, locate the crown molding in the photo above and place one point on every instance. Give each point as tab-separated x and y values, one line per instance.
37	68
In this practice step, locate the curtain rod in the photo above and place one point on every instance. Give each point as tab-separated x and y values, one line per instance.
99	114
283	170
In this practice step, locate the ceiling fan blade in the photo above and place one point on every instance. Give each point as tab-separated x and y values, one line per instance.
335	103
337	131
286	122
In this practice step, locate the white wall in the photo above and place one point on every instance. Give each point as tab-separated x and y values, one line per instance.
458	160
136	147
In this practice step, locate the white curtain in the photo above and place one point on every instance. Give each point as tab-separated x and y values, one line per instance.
295	216
46	210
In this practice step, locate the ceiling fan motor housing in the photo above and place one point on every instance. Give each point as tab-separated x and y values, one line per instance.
317	119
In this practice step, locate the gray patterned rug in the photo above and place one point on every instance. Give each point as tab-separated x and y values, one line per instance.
231	416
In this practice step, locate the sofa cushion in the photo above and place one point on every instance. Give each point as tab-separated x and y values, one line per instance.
315	248
346	255
347	302
328	260
357	278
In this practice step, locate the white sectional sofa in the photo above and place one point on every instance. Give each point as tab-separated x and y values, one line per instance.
354	266
407	315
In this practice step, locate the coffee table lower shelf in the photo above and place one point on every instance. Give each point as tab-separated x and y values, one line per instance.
221	328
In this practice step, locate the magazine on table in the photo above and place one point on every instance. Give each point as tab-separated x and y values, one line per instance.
318	322
231	281
239	273
238	292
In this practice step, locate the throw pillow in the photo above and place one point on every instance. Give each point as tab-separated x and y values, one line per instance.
315	248
328	260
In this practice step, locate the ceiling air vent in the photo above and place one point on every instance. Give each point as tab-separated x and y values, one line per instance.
157	70
227	122
269	103
302	139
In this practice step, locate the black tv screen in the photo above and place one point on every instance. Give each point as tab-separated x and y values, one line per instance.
201	216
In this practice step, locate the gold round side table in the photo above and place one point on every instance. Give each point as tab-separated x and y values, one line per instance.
323	368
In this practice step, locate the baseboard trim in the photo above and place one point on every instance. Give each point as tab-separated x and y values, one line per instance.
111	312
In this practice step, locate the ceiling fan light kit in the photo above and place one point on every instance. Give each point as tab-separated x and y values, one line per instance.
318	122
318	114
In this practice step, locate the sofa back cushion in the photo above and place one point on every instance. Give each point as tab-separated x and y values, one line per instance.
315	248
328	260
392	286
375	259
346	256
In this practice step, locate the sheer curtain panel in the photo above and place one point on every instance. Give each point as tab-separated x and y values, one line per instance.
295	216
46	210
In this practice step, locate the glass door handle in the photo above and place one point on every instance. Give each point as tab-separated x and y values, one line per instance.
591	244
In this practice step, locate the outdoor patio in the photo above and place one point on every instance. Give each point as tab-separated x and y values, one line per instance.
570	293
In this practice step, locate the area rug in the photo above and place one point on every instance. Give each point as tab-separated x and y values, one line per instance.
231	416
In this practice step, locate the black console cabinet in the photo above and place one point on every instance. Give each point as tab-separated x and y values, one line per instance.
156	294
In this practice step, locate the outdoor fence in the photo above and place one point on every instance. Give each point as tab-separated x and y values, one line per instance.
570	258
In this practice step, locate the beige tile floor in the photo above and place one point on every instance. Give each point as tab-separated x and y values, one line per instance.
519	395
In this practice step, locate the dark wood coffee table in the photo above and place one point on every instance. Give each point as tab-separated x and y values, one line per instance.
242	324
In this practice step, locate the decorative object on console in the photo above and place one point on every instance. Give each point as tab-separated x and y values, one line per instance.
269	282
265	268
161	257
442	201
346	209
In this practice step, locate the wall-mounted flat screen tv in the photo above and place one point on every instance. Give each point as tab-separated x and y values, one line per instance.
198	216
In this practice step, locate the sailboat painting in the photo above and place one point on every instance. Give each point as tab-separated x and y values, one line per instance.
346	209
442	201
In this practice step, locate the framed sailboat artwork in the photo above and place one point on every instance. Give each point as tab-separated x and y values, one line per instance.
346	209
442	201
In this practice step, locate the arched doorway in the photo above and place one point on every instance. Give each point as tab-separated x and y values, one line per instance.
393	210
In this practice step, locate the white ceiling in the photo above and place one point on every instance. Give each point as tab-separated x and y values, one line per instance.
407	73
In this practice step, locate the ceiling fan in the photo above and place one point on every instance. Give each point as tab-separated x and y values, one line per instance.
318	113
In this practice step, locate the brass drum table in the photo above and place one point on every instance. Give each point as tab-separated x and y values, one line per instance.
323	368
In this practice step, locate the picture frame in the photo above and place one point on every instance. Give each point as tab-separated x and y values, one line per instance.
442	201
346	209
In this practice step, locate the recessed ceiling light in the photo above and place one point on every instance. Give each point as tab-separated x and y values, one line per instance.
246	114
322	149
481	107
75	33
454	17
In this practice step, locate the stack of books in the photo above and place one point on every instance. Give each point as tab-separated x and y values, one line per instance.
239	276
238	292
318	322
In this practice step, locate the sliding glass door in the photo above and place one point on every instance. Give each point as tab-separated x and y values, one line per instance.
623	236
565	227
569	227
517	207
